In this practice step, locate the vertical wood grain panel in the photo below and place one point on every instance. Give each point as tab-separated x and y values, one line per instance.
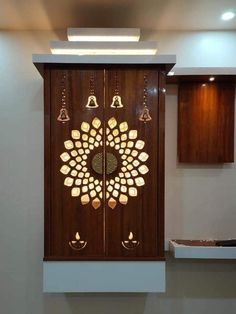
139	215
161	164
206	122
67	213
47	163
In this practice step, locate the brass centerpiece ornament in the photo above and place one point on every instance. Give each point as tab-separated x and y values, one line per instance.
85	162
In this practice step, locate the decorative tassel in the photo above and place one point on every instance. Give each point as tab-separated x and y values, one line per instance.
145	115
92	100
63	115
116	100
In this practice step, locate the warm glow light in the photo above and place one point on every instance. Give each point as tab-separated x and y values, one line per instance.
211	79
102	38
83	141
95	52
96	203
75	192
130	236
123	126
123	199
77	236
227	16
75	134
69	144
133	134
139	144
103	48
112	122
103	34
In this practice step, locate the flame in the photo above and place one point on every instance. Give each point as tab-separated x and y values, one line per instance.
131	236
77	236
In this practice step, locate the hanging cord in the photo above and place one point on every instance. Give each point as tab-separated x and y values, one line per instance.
63	115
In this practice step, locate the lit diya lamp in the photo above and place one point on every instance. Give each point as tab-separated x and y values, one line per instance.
130	244
77	244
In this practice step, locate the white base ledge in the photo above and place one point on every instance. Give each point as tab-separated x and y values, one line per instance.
87	276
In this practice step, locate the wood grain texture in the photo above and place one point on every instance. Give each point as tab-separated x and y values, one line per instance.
47	163
199	78
161	164
139	215
206	122
68	215
104	228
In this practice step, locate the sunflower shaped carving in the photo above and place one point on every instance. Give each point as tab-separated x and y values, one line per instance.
84	163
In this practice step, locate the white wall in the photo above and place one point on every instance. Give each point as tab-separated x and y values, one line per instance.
197	49
200	202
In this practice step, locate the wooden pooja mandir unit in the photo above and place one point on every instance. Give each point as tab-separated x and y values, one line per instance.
104	165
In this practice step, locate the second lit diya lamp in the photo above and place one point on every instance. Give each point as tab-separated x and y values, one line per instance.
77	244
130	244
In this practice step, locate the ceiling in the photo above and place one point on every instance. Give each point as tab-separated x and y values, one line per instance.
147	14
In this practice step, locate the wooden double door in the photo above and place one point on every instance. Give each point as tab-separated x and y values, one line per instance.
104	162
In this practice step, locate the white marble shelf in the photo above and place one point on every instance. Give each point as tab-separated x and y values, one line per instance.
106	59
40	60
201	252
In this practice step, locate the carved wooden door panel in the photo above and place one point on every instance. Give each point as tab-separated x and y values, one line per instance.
103	163
74	227
131	229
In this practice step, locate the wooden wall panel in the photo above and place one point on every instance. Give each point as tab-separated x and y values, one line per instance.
161	165
206	122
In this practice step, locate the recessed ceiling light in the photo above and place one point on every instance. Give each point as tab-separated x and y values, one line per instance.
227	16
211	79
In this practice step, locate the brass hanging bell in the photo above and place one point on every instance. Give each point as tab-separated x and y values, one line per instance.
116	102
63	115
145	115
92	102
